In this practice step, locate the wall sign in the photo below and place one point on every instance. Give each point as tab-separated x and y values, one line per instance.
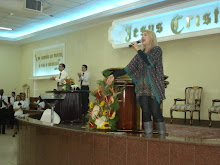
180	21
46	60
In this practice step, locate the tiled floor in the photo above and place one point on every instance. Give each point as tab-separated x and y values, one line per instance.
8	148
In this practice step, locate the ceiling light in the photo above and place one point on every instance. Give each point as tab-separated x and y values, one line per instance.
4	28
80	12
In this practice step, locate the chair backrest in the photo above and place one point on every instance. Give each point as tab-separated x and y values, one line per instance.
192	93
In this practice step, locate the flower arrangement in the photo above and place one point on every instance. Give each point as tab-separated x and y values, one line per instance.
102	112
67	83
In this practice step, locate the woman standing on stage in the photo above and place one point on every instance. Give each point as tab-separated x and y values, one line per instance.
146	71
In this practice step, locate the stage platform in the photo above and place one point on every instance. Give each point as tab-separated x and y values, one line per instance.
67	144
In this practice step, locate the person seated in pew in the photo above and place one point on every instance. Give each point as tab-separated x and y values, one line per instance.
40	104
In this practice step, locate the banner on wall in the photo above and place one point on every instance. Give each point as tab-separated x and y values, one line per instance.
46	60
196	18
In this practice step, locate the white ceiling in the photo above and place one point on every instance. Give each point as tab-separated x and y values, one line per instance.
14	15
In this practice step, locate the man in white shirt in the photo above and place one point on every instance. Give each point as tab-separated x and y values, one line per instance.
84	82
26	104
63	74
3	110
12	98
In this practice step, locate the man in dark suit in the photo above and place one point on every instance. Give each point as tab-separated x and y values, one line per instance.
84	82
3	110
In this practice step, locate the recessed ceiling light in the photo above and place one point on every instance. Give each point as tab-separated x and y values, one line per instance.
4	28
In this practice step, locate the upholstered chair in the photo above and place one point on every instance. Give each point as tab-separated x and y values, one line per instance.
214	109
191	103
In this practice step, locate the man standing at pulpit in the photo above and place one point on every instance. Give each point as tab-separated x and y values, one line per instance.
84	82
63	74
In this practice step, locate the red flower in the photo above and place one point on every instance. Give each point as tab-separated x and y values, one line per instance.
111	113
99	95
91	124
108	99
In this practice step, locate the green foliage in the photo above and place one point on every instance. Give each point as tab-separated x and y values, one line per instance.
113	123
106	73
115	106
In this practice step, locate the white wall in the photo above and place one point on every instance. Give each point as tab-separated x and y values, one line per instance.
190	62
10	64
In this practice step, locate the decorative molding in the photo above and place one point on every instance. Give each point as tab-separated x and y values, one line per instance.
41	77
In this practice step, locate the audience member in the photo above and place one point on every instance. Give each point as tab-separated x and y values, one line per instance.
26	101
3	110
18	109
10	108
12	98
40	104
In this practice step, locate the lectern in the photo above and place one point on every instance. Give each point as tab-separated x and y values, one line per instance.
69	109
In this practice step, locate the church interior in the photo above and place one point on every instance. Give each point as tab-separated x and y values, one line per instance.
36	36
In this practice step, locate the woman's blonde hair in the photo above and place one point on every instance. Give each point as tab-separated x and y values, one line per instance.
153	38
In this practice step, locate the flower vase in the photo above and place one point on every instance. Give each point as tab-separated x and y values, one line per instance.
68	87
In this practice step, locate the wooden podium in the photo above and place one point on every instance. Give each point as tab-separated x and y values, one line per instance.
70	109
129	113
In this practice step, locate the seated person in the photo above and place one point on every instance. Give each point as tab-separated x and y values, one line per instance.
40	104
46	117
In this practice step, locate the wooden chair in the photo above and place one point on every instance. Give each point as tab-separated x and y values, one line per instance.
213	109
191	104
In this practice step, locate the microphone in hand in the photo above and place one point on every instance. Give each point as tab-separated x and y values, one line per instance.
138	41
